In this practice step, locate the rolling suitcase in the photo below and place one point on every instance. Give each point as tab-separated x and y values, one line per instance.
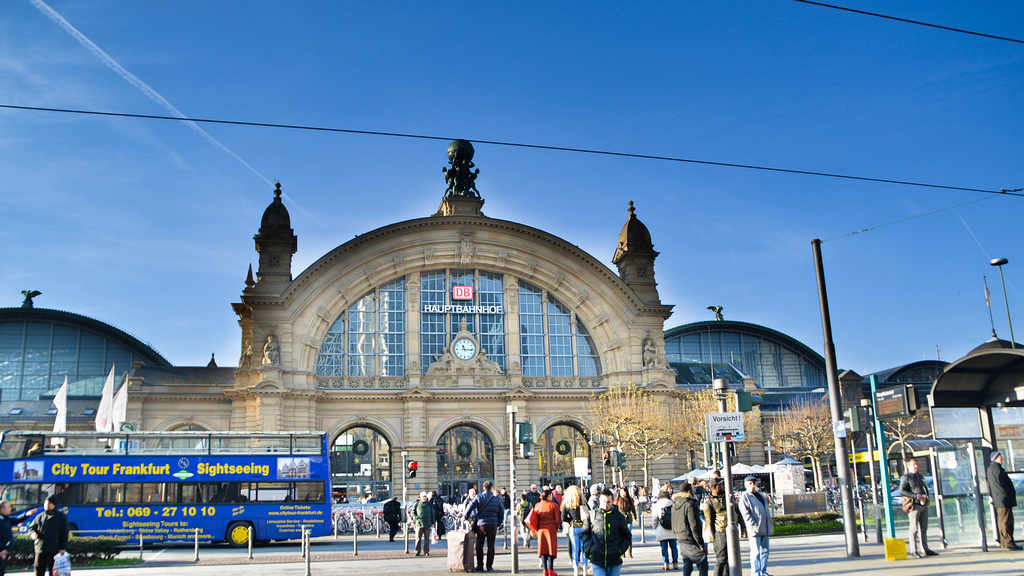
461	550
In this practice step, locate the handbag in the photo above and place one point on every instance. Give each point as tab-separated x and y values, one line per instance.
908	504
531	520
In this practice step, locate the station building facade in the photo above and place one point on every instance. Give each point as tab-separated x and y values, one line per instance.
418	338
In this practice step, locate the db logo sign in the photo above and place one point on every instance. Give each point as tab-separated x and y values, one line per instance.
462	292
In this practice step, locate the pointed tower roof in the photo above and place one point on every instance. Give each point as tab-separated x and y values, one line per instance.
634	238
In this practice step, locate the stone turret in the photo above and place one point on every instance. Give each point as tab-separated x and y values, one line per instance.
276	243
634	257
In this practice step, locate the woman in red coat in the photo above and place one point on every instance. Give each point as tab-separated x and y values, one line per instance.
549	520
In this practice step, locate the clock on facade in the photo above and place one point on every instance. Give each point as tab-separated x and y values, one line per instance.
464	348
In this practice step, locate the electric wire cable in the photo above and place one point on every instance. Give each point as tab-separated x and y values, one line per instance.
908	21
1010	192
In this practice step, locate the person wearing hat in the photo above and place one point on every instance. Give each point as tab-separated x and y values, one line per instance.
754	509
1004	498
912	486
49	531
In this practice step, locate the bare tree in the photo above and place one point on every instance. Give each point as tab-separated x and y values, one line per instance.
905	429
804	430
635	420
689	430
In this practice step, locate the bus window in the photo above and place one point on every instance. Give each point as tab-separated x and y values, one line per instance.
309	491
152	493
33	446
71	493
268	492
23	495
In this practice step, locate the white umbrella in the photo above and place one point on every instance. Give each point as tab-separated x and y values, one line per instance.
697	474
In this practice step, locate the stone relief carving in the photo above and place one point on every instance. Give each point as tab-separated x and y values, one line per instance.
651	355
245	360
467	250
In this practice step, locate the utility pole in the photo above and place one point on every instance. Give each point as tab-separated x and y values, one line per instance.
732	529
835	399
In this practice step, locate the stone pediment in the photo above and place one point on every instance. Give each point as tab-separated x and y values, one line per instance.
520	391
416	392
661	386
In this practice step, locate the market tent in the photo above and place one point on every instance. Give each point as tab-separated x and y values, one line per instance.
696	474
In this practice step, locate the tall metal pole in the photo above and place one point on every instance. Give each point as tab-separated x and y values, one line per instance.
883	462
514	512
998	263
732	529
836	404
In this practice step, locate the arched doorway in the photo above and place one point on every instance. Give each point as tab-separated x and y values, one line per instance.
465	459
361	465
557	447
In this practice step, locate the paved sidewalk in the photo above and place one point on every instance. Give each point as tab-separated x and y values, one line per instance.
793	556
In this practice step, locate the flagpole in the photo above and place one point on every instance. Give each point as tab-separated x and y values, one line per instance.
988	302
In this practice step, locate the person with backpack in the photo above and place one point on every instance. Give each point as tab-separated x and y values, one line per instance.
661	512
486	513
522	510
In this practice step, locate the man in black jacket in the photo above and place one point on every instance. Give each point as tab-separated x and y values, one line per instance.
686	526
1004	498
6	534
605	536
393	517
49	530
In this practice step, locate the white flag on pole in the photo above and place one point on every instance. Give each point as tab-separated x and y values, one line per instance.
60	423
119	410
104	423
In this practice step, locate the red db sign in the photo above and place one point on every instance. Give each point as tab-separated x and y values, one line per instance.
462	292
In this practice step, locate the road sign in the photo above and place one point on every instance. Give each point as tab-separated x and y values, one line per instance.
581	466
769	448
724	426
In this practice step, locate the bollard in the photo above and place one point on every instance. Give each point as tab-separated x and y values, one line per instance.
140	547
252	534
504	546
302	531
196	559
355	538
643	529
308	534
335	522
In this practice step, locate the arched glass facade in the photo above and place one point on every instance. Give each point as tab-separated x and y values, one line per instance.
39	348
557	448
772	359
465	458
371	338
361	465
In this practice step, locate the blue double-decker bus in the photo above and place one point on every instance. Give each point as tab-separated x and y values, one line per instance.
162	487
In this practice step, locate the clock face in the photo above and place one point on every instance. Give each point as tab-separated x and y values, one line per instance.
464	348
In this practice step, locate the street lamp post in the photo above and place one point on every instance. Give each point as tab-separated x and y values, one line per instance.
405	499
998	263
512	409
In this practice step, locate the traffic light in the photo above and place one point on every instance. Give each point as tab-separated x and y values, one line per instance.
413	466
621	461
745	401
607	459
709	454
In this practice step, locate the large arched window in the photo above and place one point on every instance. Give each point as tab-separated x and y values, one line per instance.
557	448
361	465
487	323
369	338
552	342
465	458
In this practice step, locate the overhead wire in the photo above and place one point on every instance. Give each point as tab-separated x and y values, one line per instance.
1011	192
908	21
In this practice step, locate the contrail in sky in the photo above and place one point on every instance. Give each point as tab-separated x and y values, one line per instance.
135	81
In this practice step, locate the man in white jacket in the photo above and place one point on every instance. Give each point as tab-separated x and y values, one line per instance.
754	509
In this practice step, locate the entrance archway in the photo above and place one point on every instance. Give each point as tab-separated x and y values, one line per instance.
558	446
361	465
465	459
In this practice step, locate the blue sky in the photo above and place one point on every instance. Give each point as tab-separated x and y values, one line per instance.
148	224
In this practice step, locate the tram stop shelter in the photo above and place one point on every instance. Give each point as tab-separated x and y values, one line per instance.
977	404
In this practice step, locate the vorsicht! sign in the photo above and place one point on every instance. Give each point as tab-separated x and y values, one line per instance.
724	426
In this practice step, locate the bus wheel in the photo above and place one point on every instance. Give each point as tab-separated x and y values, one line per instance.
238	534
